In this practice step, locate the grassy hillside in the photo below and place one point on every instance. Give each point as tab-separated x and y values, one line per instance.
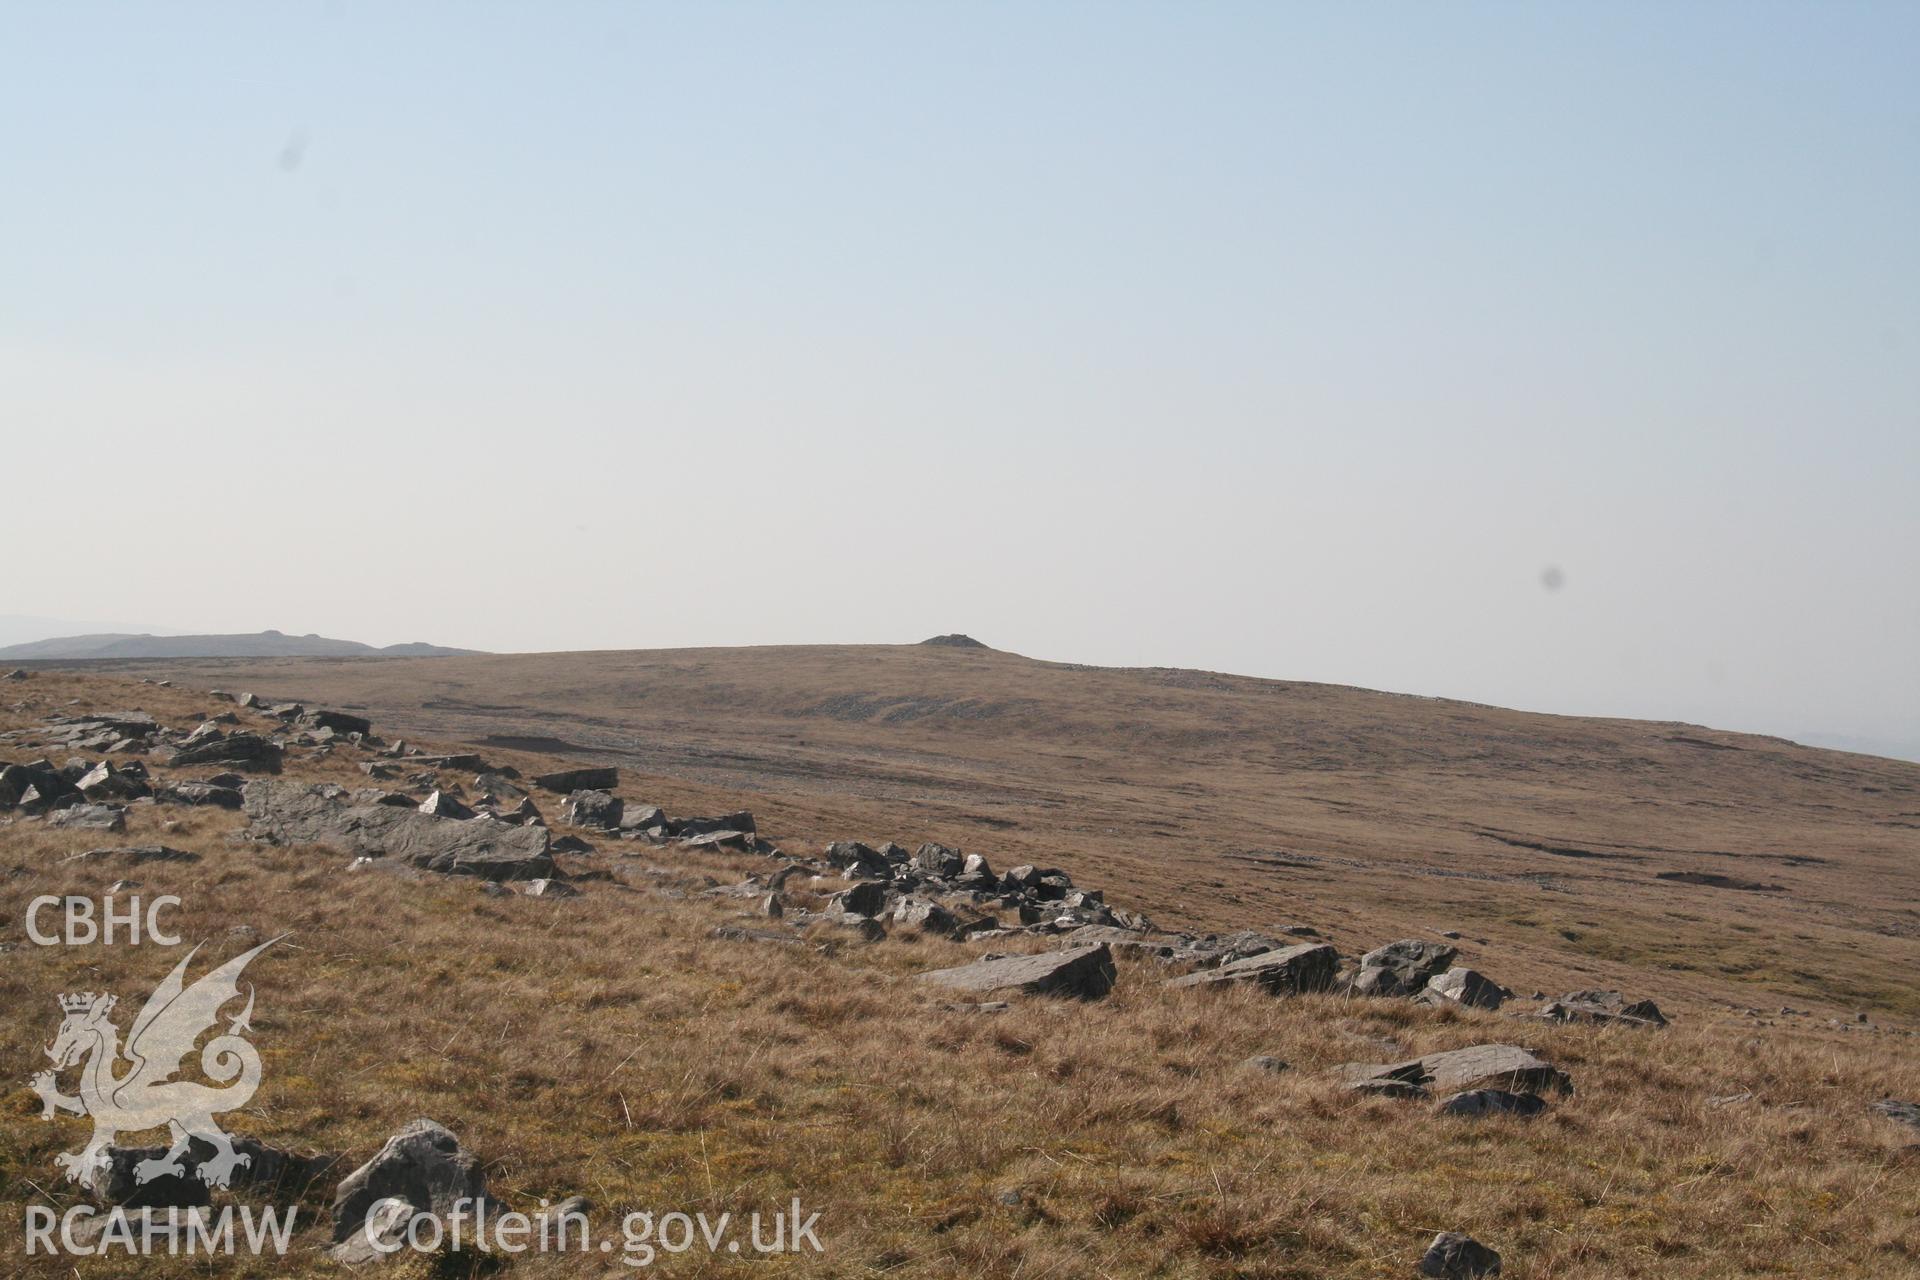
609	1045
1216	801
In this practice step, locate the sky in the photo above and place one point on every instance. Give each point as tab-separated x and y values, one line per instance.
1564	357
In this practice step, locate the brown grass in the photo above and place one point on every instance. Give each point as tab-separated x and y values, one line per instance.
607	1046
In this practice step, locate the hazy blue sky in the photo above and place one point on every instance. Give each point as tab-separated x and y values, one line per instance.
1284	339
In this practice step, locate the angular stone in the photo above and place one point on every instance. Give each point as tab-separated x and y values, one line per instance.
524	814
1298	970
1907	1113
868	898
928	917
649	818
104	782
441	805
685	828
422	1166
938	860
857	860
1491	1102
1083	972
247	751
1453	1256
1468	987
549	889
1485	1066
90	817
497	785
567	781
338	721
135	855
287	813
595	810
200	793
266	1173
1400	968
1604	1007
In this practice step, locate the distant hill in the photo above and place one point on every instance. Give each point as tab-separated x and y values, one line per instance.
266	644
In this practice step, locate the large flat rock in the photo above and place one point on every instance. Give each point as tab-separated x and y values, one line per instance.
1288	971
1482	1066
1085	972
288	813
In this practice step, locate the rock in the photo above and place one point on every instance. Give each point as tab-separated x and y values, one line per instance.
1266	1063
1603	1007
498	785
687	828
571	844
248	751
18	673
1488	1102
858	861
1453	1256
1083	972
1486	1066
1296	970
736	933
1160	946
1400	968
338	721
975	872
135	855
524	814
104	782
938	860
90	817
736	841
16	780
441	805
928	917
287	813
549	889
596	810
1468	987
421	1166
1907	1113
649	819
953	641
868	899
200	793
567	781
266	1173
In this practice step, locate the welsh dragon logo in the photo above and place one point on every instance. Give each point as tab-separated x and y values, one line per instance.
144	1095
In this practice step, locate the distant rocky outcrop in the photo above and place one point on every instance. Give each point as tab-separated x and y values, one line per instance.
265	644
954	641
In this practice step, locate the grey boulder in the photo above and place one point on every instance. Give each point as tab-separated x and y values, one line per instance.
1299	970
421	1169
1467	987
290	814
1491	1102
567	781
1453	1256
1484	1066
1086	973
